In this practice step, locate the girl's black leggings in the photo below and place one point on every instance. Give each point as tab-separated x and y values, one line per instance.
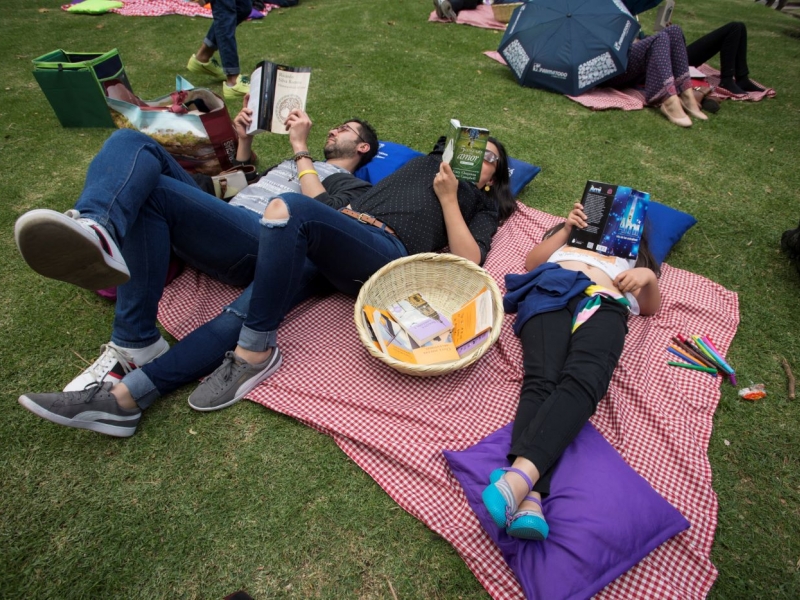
566	375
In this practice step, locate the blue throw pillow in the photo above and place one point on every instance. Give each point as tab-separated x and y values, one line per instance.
392	156
521	174
604	517
665	228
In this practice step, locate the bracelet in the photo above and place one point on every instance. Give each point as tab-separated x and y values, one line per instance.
306	172
302	154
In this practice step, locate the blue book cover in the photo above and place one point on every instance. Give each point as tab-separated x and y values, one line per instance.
615	216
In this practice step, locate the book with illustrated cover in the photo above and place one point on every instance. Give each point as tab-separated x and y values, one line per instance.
464	150
276	90
615	215
472	321
395	342
420	320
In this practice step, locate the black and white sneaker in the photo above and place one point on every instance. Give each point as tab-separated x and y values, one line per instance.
113	364
94	408
232	381
66	247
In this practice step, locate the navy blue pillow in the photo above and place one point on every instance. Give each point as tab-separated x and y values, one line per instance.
521	174
665	228
390	157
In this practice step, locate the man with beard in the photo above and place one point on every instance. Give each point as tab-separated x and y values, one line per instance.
137	207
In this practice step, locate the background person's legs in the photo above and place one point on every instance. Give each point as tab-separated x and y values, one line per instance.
222	36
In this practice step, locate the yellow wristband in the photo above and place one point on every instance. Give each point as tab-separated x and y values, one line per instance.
306	172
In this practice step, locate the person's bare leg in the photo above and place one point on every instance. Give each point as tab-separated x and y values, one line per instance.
520	487
123	396
673	110
690	105
205	54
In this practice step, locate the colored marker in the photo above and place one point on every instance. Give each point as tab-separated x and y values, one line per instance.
708	370
679	355
717	357
696	355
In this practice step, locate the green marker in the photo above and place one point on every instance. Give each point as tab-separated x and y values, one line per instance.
693	367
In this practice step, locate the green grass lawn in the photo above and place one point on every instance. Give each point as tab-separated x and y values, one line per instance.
199	505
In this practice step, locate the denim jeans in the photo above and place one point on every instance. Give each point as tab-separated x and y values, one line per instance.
344	252
222	33
202	351
152	207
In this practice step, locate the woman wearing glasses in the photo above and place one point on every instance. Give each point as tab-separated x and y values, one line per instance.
421	207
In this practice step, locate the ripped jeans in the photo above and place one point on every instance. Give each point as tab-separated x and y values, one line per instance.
339	248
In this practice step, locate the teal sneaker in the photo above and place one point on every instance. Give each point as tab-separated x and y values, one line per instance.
211	68
236	92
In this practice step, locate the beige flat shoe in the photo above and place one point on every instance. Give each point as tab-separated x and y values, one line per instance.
690	105
672	109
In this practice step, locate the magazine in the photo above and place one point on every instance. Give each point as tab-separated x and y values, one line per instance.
472	322
395	342
615	215
276	90
464	150
419	319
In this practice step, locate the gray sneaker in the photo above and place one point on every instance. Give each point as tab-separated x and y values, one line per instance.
444	10
93	408
232	381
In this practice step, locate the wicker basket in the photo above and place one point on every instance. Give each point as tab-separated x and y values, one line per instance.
447	282
502	12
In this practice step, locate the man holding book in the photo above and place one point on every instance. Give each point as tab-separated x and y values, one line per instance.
137	207
421	207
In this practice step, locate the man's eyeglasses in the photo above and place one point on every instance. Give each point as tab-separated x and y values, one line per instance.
490	157
345	127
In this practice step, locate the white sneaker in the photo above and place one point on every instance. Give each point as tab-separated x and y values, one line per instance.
71	249
113	364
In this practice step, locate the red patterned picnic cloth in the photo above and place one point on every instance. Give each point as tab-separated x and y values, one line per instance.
482	16
159	8
718	93
395	426
603	98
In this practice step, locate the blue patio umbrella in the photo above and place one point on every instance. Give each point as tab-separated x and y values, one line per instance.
568	46
639	6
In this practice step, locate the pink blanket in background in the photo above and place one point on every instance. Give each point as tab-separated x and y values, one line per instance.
395	426
160	8
482	16
604	98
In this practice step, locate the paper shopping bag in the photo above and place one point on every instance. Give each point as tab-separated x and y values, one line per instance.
191	123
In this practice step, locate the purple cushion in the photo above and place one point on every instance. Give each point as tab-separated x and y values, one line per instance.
603	516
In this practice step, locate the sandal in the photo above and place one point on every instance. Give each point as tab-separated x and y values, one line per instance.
498	497
529	524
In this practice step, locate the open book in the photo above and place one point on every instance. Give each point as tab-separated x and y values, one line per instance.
615	216
276	90
464	150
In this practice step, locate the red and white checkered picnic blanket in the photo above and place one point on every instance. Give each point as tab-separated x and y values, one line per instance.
395	426
160	8
604	98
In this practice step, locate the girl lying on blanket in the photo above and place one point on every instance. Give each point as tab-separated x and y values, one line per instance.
573	307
